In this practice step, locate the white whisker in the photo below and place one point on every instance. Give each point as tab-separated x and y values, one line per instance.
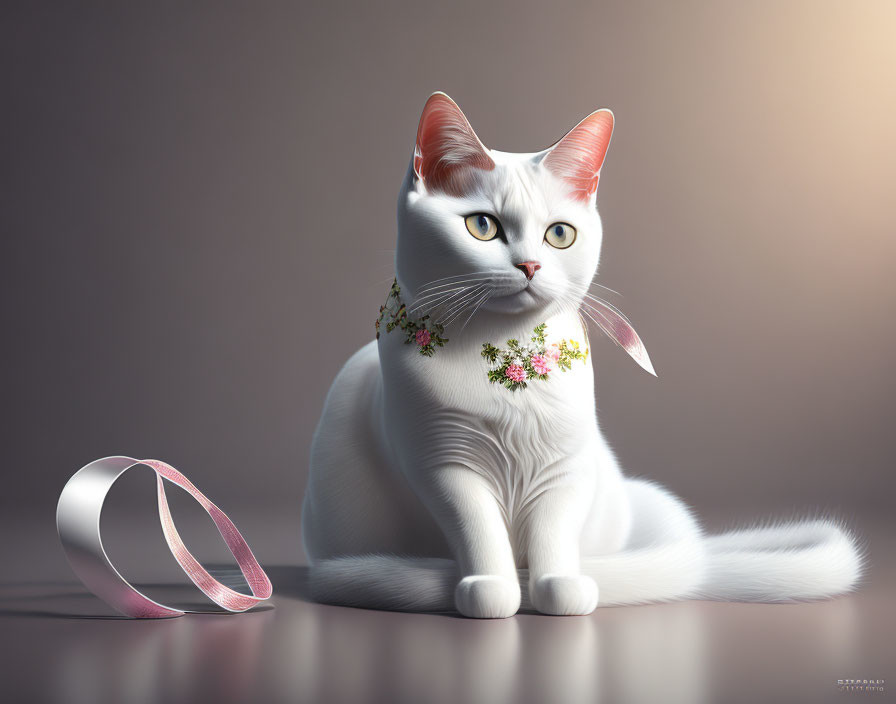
459	307
421	301
461	282
609	305
485	296
452	301
597	323
605	288
448	280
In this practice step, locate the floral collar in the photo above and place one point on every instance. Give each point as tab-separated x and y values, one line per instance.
423	332
517	364
513	367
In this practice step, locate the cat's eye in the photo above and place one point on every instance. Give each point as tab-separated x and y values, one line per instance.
560	235
482	227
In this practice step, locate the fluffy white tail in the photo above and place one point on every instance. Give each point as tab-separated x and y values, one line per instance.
786	562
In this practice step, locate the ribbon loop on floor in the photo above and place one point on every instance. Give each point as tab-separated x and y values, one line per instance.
78	523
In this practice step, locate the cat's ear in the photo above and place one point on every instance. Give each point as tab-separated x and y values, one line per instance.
577	157
447	148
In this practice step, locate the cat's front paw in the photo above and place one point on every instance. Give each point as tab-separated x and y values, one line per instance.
487	596
564	595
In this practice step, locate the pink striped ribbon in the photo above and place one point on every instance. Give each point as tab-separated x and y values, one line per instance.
77	519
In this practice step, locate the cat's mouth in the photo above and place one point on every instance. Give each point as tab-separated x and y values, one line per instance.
518	300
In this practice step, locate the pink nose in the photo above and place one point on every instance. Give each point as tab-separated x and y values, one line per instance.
528	268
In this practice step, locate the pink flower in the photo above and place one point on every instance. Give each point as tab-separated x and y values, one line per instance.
540	364
515	373
423	337
553	352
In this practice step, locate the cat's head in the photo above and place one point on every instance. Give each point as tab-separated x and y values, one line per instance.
511	233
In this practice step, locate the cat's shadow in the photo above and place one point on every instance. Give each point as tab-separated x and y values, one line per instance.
70	600
290	581
293	581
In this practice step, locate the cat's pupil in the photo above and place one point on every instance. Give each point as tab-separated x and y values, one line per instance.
558	230
482	222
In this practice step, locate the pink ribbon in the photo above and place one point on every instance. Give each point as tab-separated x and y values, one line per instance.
77	520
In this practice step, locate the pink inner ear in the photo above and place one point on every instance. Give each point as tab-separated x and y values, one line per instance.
577	157
447	147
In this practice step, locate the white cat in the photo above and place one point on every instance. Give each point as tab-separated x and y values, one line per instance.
458	462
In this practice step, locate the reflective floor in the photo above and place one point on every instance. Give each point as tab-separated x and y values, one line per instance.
59	644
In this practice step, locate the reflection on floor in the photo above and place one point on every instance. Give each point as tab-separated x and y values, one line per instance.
62	645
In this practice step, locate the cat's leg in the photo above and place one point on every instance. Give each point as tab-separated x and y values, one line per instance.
553	528
468	513
356	501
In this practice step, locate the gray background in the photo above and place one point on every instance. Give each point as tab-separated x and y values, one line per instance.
198	228
197	220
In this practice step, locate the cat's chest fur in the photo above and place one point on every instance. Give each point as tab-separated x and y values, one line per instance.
444	410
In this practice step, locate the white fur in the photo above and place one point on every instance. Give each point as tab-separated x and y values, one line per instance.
433	489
